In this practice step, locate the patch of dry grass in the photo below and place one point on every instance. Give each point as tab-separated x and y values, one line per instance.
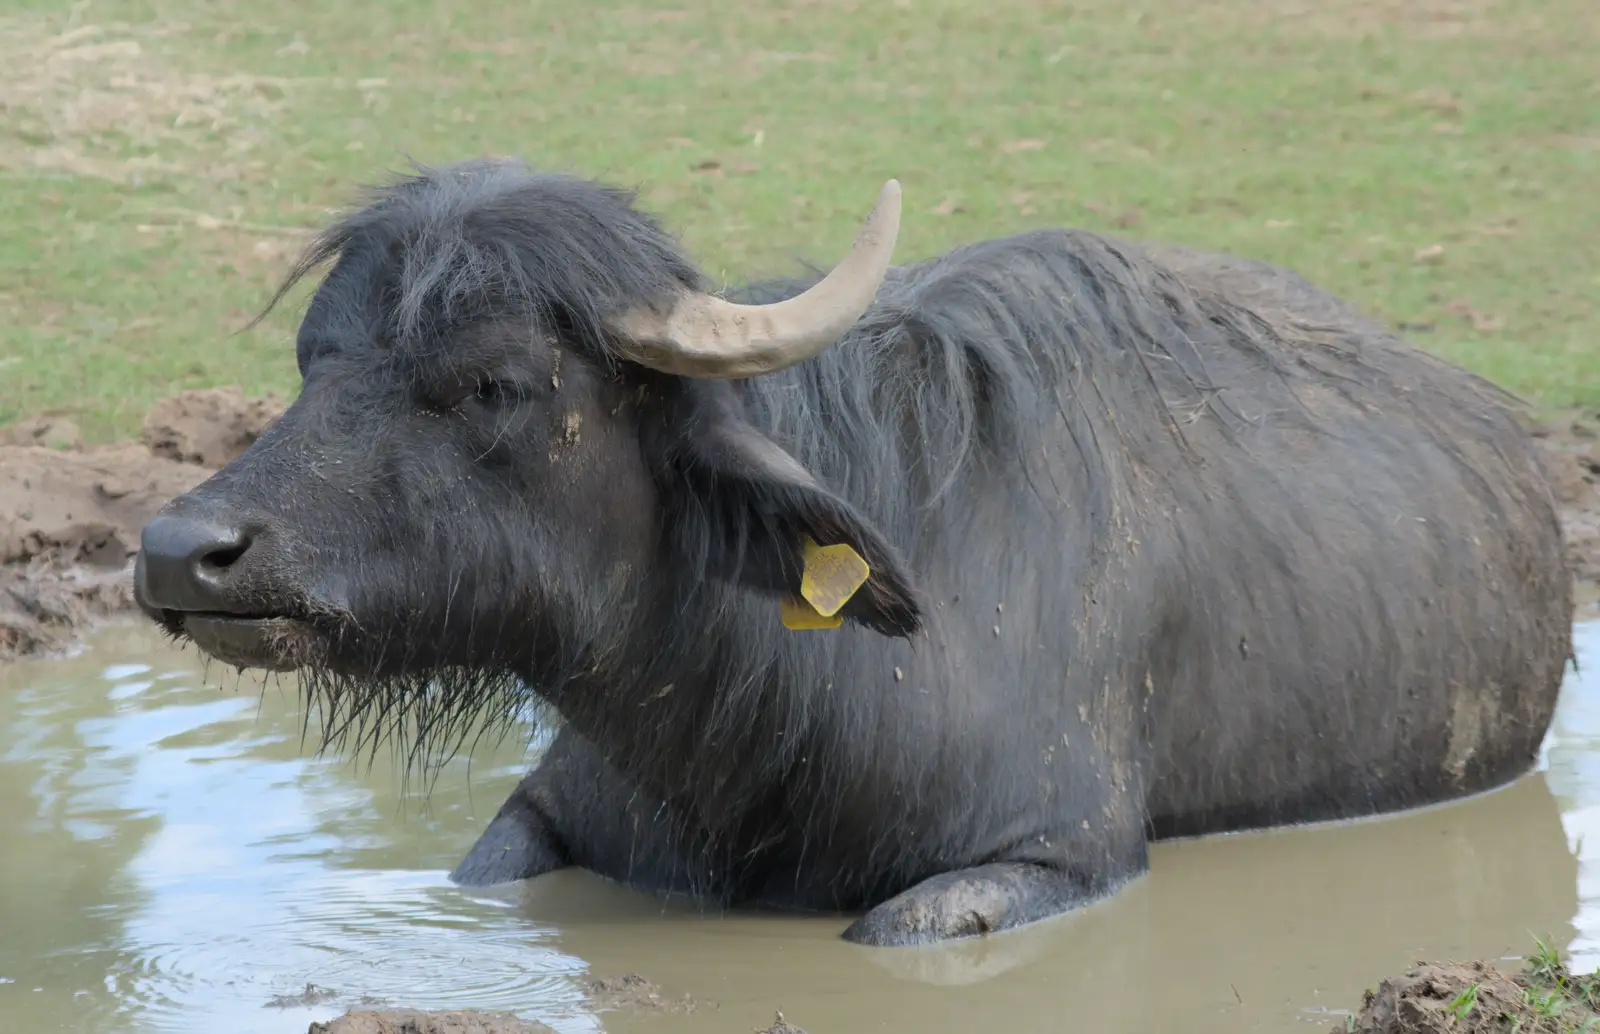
105	101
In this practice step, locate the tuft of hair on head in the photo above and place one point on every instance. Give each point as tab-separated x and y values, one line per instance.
493	237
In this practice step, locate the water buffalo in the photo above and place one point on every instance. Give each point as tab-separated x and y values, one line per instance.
929	592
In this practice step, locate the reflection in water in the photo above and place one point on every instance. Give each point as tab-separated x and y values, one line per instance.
1572	763
171	858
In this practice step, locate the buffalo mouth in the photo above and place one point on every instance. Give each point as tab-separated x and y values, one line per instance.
270	642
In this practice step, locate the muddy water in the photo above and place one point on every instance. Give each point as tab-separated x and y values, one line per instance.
173	860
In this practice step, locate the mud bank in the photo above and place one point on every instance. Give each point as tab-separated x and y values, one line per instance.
70	515
1573	454
1480	998
629	992
410	1021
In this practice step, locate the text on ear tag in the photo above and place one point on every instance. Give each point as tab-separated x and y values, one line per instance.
831	576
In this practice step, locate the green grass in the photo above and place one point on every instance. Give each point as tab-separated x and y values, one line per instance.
151	164
1558	1000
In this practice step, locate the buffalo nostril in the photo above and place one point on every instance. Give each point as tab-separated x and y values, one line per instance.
226	556
193	564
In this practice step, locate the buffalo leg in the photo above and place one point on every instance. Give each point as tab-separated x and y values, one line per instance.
575	809
520	841
969	902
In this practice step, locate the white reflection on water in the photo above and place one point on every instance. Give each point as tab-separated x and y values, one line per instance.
1572	765
248	881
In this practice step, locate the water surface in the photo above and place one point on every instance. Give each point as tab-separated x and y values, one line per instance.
173	859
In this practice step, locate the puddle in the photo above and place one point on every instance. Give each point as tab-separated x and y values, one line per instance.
172	860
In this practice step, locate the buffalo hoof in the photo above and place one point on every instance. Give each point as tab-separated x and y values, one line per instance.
969	903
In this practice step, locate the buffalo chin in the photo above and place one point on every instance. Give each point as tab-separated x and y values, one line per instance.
268	643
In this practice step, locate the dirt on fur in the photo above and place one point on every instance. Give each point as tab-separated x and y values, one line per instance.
70	514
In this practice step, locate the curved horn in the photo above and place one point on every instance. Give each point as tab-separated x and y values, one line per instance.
709	337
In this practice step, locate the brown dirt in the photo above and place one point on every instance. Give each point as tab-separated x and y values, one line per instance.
413	1021
1474	998
629	992
70	515
1573	452
207	428
312	995
632	991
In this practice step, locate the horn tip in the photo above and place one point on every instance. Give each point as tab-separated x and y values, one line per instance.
886	212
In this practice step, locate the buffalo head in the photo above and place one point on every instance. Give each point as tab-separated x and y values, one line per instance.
517	448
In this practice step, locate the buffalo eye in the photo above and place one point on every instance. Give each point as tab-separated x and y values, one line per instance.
487	393
499	393
492	393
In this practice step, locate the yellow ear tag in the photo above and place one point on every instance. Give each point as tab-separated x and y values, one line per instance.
798	614
832	574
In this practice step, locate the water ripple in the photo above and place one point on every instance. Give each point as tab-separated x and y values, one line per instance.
222	955
246	885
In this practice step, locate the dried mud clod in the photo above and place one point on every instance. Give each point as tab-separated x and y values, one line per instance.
781	1026
1480	998
42	603
633	992
629	992
208	428
312	995
416	1021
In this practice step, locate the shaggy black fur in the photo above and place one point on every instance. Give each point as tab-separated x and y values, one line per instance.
1162	543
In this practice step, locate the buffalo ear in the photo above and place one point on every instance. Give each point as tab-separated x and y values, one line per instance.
739	508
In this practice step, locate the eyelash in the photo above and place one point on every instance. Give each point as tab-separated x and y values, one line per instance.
492	393
489	393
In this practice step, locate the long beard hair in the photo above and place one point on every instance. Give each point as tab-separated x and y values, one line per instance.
363	694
